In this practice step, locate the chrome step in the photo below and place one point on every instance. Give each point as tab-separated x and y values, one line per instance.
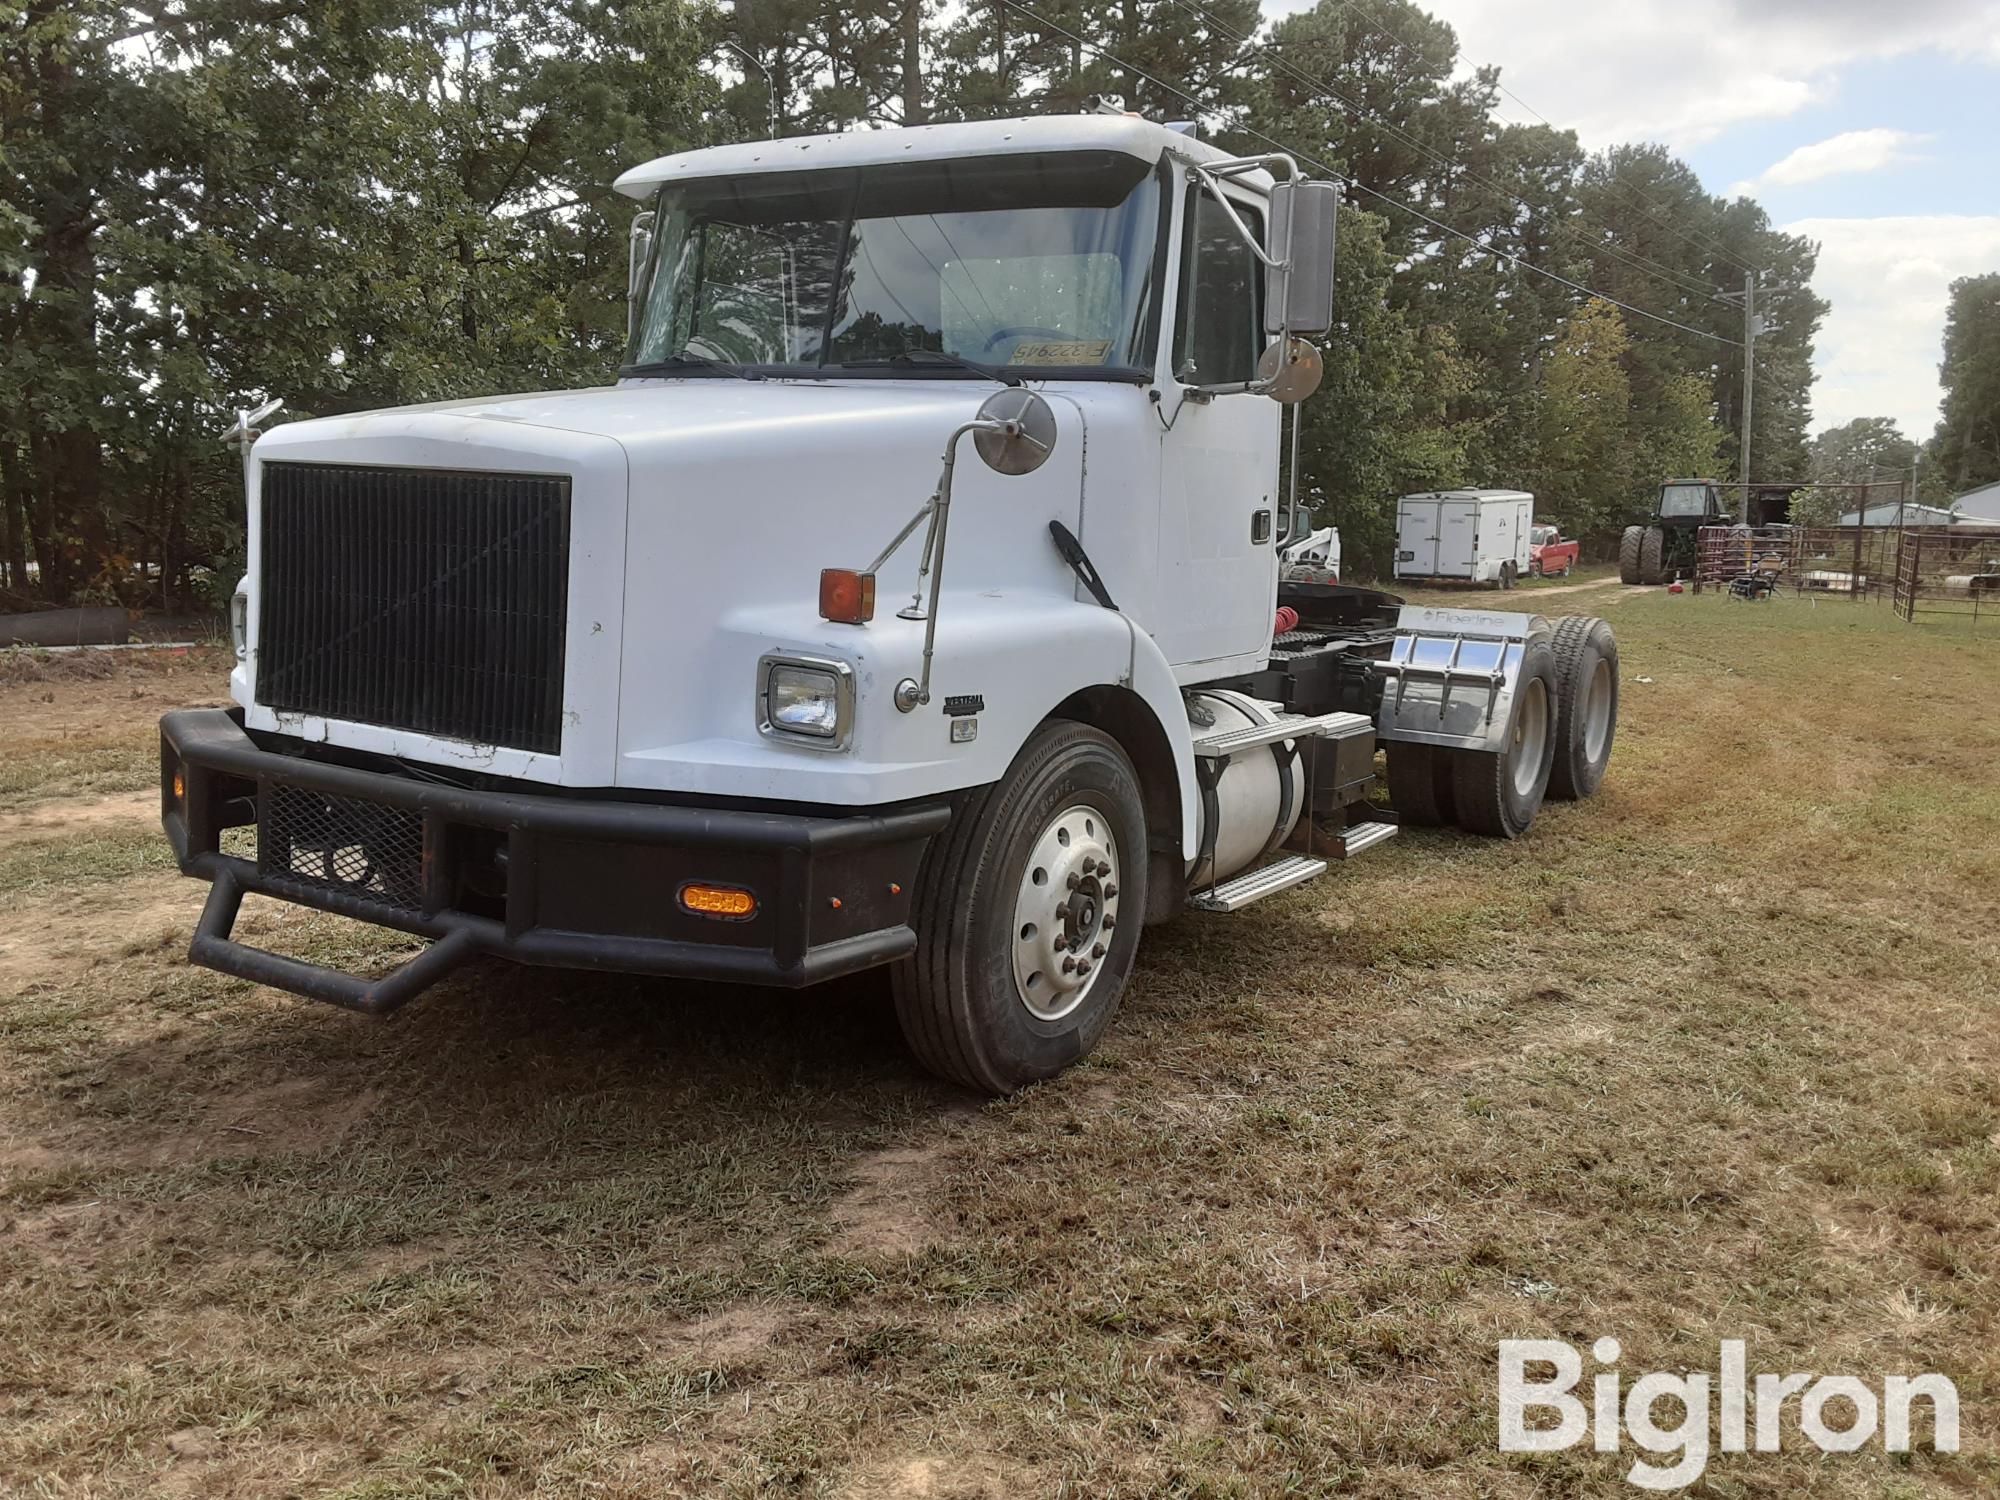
1268	880
1363	837
1284	727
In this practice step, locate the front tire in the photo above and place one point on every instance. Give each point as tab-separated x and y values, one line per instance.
1652	556
1629	546
1046	865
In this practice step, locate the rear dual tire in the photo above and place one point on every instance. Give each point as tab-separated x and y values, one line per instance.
1586	659
1498	792
1492	792
1420	785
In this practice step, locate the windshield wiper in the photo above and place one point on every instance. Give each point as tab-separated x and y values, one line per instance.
920	356
686	361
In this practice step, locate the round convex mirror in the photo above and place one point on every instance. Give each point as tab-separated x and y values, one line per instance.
1025	436
1294	369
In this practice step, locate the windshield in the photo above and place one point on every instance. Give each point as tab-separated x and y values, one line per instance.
1041	263
1685	500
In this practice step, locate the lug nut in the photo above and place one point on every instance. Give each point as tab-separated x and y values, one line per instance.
1083	969
1076	880
1098	951
1069	966
1058	942
1110	892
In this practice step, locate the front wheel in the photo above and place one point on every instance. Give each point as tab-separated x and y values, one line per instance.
1629	547
1653	556
1028	916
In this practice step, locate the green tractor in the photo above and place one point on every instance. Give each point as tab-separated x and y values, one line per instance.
1664	548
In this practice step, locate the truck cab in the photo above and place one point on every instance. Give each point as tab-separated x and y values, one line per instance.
908	600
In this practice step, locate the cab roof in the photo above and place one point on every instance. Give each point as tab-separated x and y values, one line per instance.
1131	134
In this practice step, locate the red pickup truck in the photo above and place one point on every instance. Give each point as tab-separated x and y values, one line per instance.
1549	556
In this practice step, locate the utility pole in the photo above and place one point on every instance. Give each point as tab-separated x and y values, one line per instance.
1749	378
1753	325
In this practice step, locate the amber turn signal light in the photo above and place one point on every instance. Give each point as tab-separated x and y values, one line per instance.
846	597
726	901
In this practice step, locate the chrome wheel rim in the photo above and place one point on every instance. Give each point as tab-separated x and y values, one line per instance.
1597	711
1064	912
1531	735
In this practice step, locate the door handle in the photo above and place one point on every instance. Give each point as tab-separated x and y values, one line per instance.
1260	527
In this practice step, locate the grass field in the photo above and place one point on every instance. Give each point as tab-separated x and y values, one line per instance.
1711	1056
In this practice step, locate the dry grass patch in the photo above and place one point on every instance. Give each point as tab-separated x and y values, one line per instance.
1711	1056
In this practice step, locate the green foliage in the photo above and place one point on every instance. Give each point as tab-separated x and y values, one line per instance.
1584	451
1967	451
360	203
350	204
1867	450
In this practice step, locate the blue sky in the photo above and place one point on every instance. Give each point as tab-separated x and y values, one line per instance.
1872	129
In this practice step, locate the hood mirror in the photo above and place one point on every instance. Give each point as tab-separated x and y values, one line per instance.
1017	431
1293	368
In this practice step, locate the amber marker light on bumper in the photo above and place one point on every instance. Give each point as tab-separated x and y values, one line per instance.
730	903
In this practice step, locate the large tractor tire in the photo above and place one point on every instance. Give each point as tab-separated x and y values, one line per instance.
1586	655
1498	793
1028	915
1420	785
1628	553
1653	555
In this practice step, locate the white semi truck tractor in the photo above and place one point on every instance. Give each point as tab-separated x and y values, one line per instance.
910	602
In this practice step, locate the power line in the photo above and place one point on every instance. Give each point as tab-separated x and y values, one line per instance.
1334	173
1630	257
1646	205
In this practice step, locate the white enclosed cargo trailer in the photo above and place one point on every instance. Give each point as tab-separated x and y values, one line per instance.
1466	536
531	677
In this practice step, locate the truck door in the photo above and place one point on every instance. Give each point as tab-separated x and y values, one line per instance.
1219	476
1458	539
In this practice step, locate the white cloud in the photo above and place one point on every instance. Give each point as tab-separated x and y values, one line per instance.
1889	281
1684	71
1850	152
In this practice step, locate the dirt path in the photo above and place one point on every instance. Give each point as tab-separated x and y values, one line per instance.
1577	588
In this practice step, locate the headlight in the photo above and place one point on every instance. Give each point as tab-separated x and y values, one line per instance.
806	699
239	620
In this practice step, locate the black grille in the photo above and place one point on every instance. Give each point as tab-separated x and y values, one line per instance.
339	844
425	599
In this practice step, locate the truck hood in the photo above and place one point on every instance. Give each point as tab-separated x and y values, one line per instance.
640	414
701	515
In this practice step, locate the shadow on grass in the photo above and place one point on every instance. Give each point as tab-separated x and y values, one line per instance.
591	1114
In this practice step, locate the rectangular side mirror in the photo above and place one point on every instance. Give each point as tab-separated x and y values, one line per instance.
638	250
1301	231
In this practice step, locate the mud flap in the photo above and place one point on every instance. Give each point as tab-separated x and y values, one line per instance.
1452	674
